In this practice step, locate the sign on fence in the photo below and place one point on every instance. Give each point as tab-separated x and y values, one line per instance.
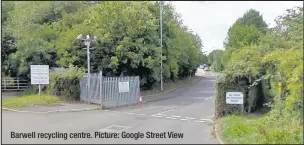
234	98
40	74
123	87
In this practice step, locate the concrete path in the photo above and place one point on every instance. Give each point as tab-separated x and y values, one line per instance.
189	115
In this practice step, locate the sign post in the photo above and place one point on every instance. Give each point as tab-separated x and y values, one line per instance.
40	75
235	98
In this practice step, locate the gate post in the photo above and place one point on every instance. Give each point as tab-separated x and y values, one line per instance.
100	88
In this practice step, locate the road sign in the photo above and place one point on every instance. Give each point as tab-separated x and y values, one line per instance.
234	98
123	87
40	74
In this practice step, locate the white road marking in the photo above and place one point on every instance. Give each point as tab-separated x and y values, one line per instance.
155	116
189	118
109	128
166	111
206	119
171	118
160	114
208	98
176	116
199	121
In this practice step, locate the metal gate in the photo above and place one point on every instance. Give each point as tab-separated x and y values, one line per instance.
110	92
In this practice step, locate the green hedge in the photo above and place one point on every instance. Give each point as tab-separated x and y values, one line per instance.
223	86
67	87
31	90
253	95
66	84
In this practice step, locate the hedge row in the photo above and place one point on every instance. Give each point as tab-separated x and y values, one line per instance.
66	84
67	87
254	95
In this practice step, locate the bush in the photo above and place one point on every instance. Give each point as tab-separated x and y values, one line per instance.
253	94
223	86
66	84
30	90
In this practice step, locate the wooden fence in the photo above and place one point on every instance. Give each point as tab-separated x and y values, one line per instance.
13	84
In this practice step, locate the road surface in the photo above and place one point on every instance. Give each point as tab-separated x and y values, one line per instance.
186	117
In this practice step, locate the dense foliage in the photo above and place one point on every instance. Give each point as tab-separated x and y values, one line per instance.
128	38
65	84
216	58
270	56
278	55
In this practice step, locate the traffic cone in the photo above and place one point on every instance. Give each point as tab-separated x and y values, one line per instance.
140	100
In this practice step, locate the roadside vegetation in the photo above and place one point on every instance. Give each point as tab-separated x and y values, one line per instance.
128	39
29	100
260	129
256	59
128	43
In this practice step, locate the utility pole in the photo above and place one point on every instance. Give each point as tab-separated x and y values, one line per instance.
161	44
87	42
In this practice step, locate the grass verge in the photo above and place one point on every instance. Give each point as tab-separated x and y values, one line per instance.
29	100
169	86
259	129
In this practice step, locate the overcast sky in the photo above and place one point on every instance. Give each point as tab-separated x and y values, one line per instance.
211	20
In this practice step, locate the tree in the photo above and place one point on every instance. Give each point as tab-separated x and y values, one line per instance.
215	59
8	41
128	38
253	17
246	30
276	56
203	58
31	24
285	58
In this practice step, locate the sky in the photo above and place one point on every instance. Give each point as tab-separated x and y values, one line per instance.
212	19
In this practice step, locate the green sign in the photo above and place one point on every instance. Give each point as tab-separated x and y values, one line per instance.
131	83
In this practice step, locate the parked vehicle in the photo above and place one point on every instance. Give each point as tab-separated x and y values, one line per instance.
203	66
206	68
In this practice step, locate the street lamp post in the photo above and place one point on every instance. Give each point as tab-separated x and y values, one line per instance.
161	44
87	42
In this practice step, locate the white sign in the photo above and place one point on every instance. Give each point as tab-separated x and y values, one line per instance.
123	87
40	74
234	98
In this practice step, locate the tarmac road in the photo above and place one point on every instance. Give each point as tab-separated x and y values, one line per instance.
188	116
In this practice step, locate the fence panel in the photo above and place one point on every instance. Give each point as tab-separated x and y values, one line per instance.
105	91
13	84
